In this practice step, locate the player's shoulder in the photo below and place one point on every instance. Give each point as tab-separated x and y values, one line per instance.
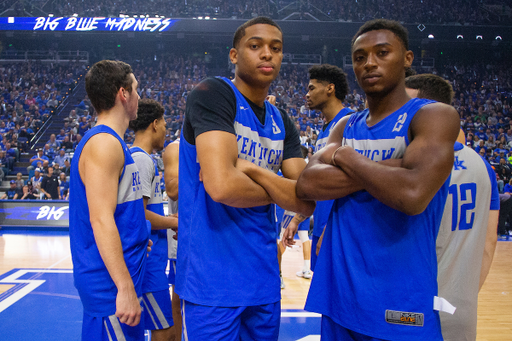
212	84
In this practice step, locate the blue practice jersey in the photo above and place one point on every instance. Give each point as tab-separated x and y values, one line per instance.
376	272
461	240
92	280
155	278
323	207
227	256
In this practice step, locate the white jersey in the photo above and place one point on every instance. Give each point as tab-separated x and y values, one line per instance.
460	243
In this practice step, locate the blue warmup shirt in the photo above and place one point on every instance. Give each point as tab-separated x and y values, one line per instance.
323	207
376	272
95	286
227	256
155	278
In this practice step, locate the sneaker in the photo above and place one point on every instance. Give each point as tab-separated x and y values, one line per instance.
306	274
282	281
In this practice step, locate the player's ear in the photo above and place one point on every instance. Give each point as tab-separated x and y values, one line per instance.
409	57
330	89
233	55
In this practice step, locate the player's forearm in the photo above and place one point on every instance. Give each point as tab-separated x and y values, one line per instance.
236	189
109	245
406	190
159	222
171	187
490	245
281	190
321	181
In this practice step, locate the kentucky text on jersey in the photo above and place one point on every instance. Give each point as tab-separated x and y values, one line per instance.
259	150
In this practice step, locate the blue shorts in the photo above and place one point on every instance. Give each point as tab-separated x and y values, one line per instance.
333	331
314	242
110	329
157	310
259	322
172	271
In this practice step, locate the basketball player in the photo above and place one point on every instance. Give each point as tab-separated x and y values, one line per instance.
107	230
233	143
376	273
467	236
150	129
171	166
327	90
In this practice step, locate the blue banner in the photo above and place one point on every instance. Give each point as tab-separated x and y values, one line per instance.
86	24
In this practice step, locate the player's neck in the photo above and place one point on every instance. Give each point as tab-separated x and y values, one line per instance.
114	118
381	106
256	94
331	109
144	142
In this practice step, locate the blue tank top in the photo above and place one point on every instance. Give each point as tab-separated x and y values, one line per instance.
323	207
155	278
95	286
228	256
376	272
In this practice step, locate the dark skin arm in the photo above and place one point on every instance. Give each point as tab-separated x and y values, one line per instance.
426	164
322	180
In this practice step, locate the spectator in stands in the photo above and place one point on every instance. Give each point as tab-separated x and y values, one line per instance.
4	165
67	168
37	179
503	171
67	145
83	126
53	143
63	186
77	141
12	193
49	152
39	157
61	135
19	181
50	185
29	192
61	158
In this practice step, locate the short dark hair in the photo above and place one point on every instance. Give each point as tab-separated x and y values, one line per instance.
149	111
331	74
383	24
240	31
431	86
104	80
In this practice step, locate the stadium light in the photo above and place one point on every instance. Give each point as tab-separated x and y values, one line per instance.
460	36
75	15
498	38
50	15
430	36
200	18
479	37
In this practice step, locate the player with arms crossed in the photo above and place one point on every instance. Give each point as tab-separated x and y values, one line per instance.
235	142
171	177
467	236
149	128
107	227
386	167
327	90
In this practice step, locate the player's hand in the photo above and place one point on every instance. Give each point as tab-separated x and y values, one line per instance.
271	99
288	235
150	243
128	307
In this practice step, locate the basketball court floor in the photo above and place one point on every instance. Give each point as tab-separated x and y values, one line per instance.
39	302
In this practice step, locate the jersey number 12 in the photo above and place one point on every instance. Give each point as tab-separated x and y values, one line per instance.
461	204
